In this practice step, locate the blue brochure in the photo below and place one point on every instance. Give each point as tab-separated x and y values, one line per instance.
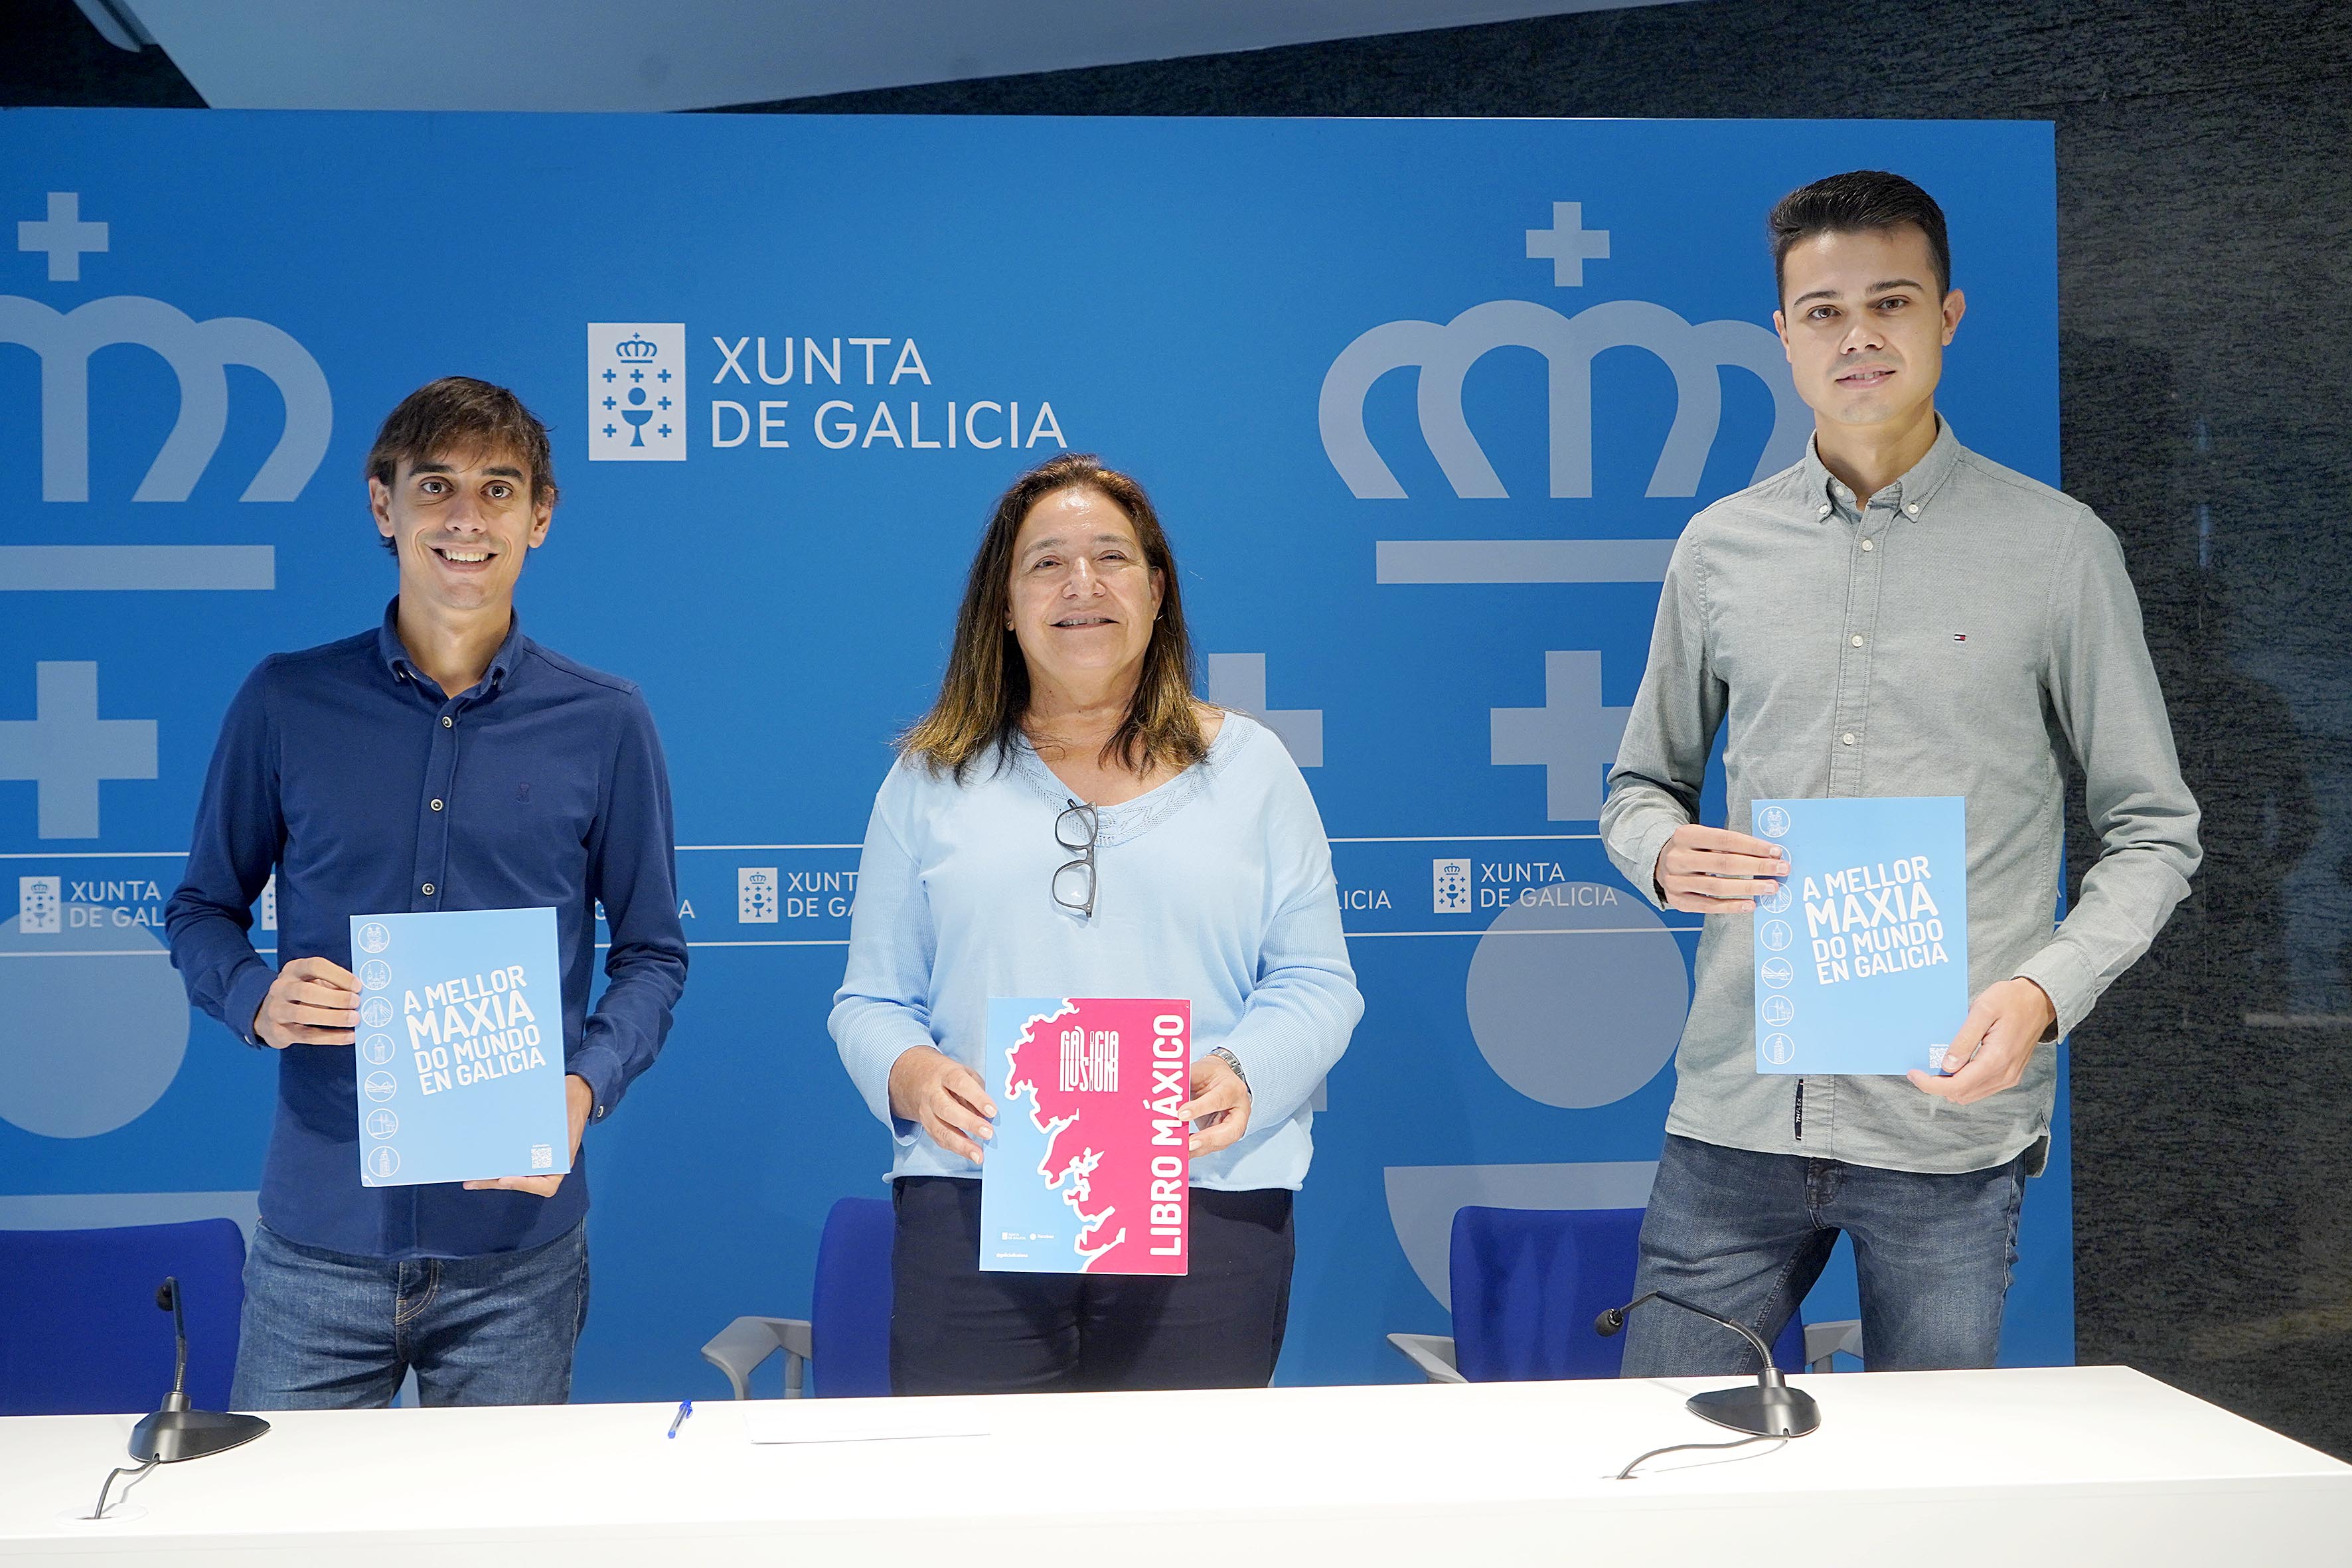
459	1047
1861	957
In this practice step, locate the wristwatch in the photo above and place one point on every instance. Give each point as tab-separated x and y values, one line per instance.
1234	1062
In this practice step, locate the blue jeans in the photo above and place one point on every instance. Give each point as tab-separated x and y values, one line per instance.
1747	1234
325	1331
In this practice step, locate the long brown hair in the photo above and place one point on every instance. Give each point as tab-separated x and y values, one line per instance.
985	690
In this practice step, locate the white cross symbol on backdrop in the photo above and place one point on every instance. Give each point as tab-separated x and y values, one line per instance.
64	235
1237	680
1572	737
65	748
1568	244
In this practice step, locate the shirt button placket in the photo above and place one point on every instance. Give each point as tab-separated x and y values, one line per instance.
1853	658
433	823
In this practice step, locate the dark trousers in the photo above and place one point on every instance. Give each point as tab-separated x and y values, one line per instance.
955	1330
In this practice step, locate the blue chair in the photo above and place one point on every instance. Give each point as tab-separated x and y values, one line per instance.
79	1331
1528	1283
845	1338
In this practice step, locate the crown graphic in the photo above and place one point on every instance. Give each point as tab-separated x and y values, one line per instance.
1444	353
198	352
636	348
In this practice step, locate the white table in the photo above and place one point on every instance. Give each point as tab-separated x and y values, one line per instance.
2072	1466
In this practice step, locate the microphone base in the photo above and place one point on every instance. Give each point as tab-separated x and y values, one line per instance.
1781	1411
170	1435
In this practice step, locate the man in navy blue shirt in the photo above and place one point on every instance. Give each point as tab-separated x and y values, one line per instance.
442	761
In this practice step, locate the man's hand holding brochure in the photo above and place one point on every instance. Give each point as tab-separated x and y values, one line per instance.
1995	1042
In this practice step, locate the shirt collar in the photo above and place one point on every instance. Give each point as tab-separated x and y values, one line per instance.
394	653
1912	495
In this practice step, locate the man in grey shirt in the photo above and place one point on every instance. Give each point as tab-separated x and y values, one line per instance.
1894	616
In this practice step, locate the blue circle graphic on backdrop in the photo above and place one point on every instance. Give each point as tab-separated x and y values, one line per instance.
1578	999
92	1041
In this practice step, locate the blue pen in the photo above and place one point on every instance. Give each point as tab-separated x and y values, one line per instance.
685	1409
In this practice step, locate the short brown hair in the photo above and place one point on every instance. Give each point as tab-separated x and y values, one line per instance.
985	690
460	415
1859	201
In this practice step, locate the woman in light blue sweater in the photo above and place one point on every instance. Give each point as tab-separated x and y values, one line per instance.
1066	719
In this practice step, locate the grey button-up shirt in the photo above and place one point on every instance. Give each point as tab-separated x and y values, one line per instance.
1955	634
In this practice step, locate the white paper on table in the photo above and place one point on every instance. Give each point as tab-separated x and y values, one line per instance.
850	1421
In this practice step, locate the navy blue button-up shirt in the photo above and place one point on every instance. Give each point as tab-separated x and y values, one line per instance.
368	789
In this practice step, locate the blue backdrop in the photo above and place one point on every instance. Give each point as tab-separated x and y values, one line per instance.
1424	404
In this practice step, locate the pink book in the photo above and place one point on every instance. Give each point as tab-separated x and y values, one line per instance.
1087	1172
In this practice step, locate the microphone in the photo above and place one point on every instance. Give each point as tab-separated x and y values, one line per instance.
1770	1409
174	1432
167	1298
